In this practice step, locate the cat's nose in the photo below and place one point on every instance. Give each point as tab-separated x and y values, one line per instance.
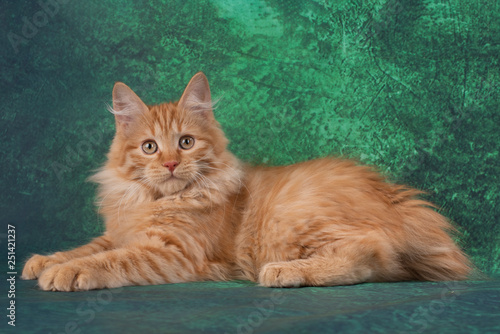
170	165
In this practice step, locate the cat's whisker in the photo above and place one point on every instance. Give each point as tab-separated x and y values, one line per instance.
219	192
133	188
203	179
237	176
199	176
102	200
201	185
206	155
212	182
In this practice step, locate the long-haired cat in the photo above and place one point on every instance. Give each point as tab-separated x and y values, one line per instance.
179	207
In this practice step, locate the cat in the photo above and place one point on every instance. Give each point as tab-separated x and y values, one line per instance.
179	207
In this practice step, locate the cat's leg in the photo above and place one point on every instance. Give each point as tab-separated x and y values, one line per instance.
38	263
350	262
143	263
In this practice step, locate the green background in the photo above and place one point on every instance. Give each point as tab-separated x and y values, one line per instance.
409	86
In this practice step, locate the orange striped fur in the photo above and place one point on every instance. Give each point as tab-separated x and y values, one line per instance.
182	214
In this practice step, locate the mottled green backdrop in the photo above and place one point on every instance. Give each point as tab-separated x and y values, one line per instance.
410	86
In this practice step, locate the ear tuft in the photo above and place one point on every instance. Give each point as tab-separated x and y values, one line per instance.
196	97
127	106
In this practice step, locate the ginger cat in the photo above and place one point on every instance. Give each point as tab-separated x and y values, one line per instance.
179	207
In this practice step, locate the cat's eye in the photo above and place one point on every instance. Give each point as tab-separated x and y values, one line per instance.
149	147
186	142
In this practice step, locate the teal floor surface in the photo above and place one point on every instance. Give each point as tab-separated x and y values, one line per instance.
242	307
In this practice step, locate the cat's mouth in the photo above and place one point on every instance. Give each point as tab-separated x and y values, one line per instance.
171	184
171	177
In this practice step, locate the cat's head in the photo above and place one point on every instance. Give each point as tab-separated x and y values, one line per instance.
170	146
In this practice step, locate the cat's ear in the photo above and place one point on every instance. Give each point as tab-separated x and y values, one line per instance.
196	97
127	106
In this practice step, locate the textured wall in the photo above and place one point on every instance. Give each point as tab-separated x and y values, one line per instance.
410	86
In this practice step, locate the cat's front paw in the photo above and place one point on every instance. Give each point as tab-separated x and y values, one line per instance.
36	265
68	276
281	275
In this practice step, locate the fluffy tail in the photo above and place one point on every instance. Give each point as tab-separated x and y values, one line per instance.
430	252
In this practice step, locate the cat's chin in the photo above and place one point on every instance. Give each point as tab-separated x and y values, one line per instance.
172	185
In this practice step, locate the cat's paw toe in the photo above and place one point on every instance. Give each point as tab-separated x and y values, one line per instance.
36	265
281	275
65	277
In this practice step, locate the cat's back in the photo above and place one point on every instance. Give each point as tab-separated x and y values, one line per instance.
317	180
